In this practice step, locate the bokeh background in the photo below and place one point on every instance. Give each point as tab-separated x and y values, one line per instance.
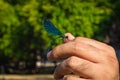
24	41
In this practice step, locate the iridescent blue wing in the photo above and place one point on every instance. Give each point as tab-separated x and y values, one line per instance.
49	26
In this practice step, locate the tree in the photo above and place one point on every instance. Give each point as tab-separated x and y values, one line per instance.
22	34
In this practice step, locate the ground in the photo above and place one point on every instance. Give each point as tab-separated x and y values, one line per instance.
26	77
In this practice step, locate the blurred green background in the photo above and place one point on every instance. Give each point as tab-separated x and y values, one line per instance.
23	39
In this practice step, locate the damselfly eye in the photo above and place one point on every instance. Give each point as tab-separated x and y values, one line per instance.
66	36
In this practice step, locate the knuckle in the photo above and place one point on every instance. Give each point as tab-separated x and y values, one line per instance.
74	62
78	47
70	63
85	65
68	78
111	48
108	74
75	47
77	38
113	60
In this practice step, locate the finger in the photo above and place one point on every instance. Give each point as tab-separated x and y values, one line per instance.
81	50
97	44
92	42
75	65
73	78
107	50
70	37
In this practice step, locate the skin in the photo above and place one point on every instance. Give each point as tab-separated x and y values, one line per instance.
87	58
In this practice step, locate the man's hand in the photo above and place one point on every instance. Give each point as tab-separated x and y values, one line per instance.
90	59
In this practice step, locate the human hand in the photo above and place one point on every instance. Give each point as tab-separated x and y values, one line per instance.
90	59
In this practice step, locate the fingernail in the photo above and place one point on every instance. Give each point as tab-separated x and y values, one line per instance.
49	54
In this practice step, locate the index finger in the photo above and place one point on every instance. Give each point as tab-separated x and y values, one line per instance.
72	48
92	42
